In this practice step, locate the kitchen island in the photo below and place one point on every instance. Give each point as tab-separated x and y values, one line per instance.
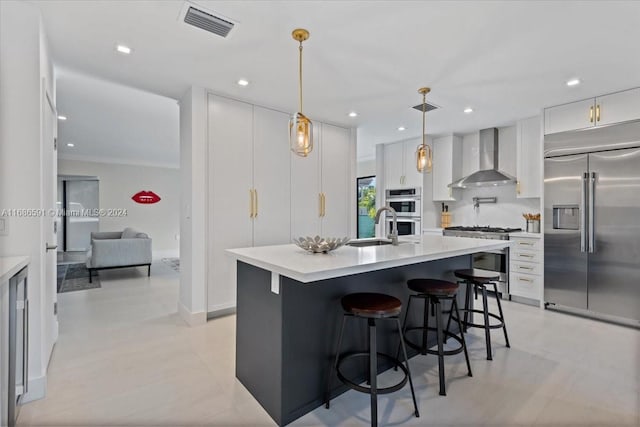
288	311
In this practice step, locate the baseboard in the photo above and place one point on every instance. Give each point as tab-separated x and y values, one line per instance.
222	311
192	319
37	389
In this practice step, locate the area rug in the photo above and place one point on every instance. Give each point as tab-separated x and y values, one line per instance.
174	263
75	277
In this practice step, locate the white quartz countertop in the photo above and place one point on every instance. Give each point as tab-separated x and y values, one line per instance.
293	262
9	266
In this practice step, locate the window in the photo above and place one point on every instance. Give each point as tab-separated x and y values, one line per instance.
366	206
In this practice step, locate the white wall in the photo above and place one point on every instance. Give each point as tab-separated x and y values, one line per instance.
24	63
119	182
193	187
366	168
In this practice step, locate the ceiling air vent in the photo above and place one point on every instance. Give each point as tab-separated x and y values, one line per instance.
208	22
427	107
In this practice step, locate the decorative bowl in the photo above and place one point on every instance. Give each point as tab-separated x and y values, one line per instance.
320	244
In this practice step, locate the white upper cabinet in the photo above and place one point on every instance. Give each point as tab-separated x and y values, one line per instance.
336	154
400	165
447	166
618	107
529	158
394	165
604	110
573	116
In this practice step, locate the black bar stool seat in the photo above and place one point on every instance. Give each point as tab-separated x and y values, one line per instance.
480	279
433	292
373	307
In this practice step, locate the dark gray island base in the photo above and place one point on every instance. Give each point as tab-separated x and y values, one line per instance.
285	341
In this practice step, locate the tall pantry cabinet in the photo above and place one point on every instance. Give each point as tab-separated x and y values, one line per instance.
259	193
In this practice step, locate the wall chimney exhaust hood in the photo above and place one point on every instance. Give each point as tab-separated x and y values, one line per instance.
488	175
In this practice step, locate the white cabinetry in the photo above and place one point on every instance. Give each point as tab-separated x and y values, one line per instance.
529	158
603	110
525	268
447	166
320	185
400	165
259	193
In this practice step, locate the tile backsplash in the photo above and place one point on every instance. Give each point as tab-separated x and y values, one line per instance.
507	212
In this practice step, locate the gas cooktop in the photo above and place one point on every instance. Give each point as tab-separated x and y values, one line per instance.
484	229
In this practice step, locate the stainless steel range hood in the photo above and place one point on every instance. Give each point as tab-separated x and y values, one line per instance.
488	175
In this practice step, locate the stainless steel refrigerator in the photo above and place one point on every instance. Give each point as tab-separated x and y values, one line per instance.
592	220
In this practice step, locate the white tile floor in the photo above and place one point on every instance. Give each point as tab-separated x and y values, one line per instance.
125	358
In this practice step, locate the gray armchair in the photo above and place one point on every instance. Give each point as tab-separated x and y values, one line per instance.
118	249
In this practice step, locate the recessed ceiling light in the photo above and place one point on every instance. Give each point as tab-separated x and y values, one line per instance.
243	82
123	49
573	82
63	118
401	128
69	144
353	114
468	110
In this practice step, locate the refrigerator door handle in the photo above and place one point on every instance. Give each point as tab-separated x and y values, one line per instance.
592	194
583	213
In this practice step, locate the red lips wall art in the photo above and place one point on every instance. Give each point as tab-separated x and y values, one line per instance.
145	197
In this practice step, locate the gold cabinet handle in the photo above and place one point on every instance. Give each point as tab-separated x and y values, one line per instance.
522	267
590	114
320	204
598	113
255	206
250	203
522	279
525	243
324	204
517	187
525	256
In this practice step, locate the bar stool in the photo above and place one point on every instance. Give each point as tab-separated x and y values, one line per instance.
371	306
480	279
433	292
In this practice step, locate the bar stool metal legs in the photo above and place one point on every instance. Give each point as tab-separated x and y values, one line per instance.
372	355
479	281
434	292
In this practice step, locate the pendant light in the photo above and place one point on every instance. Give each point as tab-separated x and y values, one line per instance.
424	154
300	127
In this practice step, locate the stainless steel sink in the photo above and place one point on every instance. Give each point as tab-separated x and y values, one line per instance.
369	242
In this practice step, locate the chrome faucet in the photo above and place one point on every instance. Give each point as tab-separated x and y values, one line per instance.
394	227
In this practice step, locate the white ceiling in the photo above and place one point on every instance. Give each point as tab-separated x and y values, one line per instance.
506	60
110	122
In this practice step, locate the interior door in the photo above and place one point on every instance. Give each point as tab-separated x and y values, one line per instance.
271	178
49	226
565	255
614	272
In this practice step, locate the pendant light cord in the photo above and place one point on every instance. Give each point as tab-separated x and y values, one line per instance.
300	75
424	119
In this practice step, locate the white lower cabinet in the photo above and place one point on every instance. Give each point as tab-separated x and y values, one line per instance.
525	268
262	194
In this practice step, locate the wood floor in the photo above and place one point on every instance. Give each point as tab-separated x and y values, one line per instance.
124	358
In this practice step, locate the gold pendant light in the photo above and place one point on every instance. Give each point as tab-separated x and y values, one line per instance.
424	154
300	127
